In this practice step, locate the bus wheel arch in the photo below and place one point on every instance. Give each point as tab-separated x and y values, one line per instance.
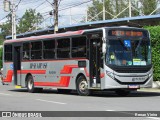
82	85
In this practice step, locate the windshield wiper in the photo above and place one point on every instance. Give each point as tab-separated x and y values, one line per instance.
138	45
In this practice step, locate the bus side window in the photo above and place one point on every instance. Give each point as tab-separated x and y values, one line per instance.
49	49
26	51
8	53
63	48
36	50
79	47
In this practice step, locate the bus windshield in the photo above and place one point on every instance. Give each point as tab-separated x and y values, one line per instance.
128	52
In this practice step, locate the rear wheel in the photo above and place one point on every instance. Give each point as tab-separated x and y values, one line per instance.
30	84
122	92
82	86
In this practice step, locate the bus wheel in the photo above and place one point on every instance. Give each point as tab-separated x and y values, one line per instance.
30	84
122	92
82	86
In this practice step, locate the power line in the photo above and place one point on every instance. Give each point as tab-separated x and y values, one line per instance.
40	4
5	17
71	6
75	5
18	4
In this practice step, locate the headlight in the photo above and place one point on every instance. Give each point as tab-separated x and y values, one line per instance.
110	74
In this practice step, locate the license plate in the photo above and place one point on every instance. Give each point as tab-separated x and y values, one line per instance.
133	86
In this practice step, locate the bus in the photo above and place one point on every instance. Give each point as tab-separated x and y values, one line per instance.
107	58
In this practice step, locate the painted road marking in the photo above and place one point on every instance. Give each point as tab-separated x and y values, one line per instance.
51	101
5	94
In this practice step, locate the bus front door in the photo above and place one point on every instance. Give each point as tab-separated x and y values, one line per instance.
94	58
17	64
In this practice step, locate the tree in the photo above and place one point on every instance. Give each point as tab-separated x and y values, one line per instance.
29	21
148	6
6	28
114	8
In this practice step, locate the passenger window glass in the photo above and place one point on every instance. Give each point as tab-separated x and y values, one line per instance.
49	49
8	53
36	50
63	48
26	51
79	47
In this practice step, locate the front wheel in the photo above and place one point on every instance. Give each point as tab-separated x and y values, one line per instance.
82	86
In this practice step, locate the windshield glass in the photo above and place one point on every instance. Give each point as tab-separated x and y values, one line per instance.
128	52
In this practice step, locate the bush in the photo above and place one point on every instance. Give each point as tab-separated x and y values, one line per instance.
155	43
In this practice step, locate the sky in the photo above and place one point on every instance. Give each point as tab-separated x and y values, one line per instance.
70	11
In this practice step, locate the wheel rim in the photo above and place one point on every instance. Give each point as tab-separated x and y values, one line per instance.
83	86
30	84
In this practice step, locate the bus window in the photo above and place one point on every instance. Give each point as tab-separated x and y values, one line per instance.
8	52
63	48
79	47
49	49
26	51
36	50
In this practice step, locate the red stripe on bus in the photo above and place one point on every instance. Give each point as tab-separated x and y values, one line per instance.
67	69
9	76
31	71
63	82
10	73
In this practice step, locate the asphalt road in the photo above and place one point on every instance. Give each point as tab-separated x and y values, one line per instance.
12	99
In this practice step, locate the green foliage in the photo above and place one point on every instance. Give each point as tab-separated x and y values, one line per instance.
29	21
155	43
114	8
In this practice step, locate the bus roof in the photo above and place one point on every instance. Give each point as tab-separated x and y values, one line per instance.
45	36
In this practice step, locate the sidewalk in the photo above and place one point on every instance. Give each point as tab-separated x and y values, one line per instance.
149	90
155	88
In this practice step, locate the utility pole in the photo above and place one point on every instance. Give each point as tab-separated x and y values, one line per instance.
55	15
86	15
104	10
7	8
13	20
130	9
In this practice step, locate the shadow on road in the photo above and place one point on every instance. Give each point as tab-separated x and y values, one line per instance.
95	94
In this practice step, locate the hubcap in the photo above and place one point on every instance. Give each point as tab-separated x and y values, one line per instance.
83	86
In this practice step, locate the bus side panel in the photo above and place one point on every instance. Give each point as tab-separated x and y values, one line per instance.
59	73
8	73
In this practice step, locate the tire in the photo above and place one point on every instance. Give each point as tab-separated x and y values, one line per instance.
122	92
30	84
82	86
